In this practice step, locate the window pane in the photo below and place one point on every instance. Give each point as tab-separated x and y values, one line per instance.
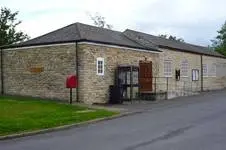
100	66
167	68
184	68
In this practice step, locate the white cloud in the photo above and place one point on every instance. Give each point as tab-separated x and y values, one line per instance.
194	20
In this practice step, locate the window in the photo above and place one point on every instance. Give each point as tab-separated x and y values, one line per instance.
195	74
205	70
100	66
167	68
184	68
213	70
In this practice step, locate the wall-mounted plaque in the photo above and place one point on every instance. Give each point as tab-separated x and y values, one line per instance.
36	69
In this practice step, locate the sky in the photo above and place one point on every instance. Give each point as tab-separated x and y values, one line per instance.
196	21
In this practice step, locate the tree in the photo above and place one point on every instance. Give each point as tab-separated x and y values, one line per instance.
8	23
99	21
170	37
219	43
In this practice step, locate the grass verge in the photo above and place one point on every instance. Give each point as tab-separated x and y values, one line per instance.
19	114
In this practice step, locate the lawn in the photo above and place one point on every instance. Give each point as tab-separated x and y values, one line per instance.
27	114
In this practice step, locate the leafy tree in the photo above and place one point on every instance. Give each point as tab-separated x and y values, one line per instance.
219	43
8	24
100	21
170	37
165	36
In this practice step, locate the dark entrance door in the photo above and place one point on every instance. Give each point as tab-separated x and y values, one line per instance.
145	76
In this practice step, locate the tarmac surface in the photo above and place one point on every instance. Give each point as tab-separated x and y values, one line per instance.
187	123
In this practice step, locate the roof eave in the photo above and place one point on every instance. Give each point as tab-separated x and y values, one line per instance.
187	51
35	44
80	40
122	45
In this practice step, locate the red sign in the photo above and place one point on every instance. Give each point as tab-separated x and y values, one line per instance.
71	81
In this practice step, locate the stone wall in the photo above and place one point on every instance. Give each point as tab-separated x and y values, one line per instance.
94	88
39	71
214	80
42	71
185	86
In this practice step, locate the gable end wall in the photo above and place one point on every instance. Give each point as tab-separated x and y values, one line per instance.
56	61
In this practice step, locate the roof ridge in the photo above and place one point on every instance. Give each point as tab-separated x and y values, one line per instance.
77	28
98	27
185	43
80	31
50	32
123	33
187	46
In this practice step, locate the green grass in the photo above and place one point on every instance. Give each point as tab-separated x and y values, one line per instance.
19	114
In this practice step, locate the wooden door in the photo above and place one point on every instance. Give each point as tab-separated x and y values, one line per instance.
145	76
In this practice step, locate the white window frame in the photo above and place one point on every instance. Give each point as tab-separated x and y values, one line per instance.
195	75
168	72
205	67
100	59
184	68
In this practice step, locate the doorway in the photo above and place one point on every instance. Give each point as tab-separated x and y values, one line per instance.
145	76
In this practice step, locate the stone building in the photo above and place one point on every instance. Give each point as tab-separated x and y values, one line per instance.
39	67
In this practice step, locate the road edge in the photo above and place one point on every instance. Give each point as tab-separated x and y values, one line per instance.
64	127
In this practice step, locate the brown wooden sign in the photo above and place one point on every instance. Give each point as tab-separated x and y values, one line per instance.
36	69
145	76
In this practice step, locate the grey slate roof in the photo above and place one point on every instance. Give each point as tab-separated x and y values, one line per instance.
82	32
128	38
150	40
65	34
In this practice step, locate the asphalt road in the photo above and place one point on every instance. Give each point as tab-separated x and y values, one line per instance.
194	123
